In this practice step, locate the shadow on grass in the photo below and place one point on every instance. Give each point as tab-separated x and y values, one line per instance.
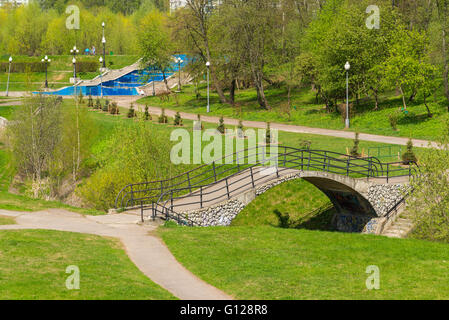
319	219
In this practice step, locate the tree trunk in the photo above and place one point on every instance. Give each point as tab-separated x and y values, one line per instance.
376	98
429	114
446	69
412	97
232	91
261	98
165	81
403	98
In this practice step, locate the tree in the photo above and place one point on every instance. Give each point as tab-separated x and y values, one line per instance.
155	44
34	135
406	68
428	204
191	25
221	126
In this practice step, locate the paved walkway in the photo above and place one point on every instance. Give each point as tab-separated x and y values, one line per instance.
126	102
147	251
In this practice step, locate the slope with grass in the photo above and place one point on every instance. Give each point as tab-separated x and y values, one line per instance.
296	199
34	262
273	263
307	112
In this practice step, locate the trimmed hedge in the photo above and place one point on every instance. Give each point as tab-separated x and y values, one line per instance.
24	67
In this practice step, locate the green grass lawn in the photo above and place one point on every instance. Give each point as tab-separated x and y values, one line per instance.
308	113
273	263
6	220
33	266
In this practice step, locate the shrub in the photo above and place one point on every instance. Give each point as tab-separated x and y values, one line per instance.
131	112
106	106
305	144
80	97
355	148
240	133
177	120
409	156
268	134
147	115
90	102
393	119
132	154
98	104
22	67
114	109
221	126
163	118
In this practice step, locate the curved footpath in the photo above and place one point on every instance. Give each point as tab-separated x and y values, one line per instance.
147	251
126	102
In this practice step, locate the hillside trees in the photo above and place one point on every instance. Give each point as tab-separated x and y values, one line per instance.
191	26
47	145
407	68
155	45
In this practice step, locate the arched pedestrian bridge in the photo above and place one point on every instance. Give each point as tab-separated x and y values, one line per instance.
364	191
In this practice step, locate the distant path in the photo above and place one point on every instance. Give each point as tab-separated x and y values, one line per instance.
126	102
147	251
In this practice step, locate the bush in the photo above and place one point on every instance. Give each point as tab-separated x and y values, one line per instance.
114	109
147	115
393	119
132	154
177	120
355	148
131	112
90	102
409	156
268	134
80	98
22	67
98	104
106	106
163	118
221	126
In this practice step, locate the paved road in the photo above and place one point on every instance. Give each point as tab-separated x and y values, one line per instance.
147	251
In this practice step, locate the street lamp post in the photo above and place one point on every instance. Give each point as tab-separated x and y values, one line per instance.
74	51
103	40
179	60
46	61
74	74
208	100
9	74
152	77
101	78
347	67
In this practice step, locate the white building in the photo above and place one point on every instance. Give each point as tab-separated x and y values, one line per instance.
176	4
16	2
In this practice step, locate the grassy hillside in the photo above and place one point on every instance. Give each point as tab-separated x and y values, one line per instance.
305	111
274	263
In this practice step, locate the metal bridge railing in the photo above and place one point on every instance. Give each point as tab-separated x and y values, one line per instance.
161	195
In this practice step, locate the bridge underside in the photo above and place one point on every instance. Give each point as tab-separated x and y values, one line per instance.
345	199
